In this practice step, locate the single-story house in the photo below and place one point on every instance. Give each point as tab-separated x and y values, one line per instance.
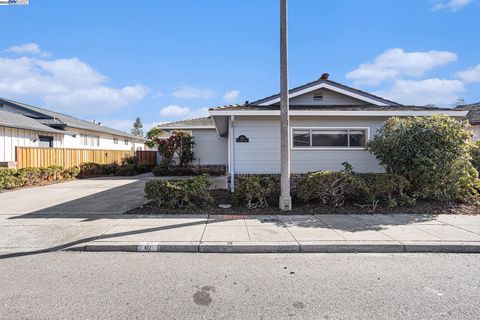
473	117
30	126
329	123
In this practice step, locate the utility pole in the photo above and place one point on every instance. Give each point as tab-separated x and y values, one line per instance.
285	201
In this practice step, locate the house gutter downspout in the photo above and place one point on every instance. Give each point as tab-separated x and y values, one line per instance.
231	158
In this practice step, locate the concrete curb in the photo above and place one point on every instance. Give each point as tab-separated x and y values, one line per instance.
282	247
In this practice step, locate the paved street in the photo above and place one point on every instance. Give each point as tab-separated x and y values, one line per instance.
71	285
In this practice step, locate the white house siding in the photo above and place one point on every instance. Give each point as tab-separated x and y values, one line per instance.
476	132
13	137
329	98
209	148
106	141
262	153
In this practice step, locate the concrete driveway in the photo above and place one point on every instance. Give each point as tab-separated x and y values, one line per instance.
106	195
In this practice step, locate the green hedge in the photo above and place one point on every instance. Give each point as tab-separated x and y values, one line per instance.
12	178
91	169
187	193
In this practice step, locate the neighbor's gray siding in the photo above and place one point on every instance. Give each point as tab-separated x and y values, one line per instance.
209	147
329	98
262	153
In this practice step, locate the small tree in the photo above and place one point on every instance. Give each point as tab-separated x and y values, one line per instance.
180	143
433	153
154	135
137	128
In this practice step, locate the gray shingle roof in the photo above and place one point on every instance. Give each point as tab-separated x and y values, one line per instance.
206	122
15	120
58	119
473	115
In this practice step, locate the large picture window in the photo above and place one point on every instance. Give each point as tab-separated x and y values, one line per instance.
355	138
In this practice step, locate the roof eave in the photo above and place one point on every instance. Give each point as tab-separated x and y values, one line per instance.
368	113
186	127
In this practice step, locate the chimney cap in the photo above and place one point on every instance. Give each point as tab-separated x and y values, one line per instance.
324	76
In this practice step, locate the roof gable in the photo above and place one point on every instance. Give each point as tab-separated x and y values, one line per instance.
354	94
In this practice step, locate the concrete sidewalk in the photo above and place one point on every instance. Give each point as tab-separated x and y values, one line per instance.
35	233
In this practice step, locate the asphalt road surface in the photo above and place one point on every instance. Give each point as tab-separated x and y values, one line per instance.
68	285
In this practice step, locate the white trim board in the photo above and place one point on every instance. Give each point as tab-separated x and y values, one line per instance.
366	113
329	87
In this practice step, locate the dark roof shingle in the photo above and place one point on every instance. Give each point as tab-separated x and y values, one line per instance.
57	119
16	120
206	122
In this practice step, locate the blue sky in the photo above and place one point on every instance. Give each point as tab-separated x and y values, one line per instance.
169	60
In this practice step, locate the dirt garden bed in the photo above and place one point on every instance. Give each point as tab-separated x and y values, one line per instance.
222	196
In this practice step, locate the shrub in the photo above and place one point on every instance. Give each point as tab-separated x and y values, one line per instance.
432	153
126	170
329	188
143	169
89	169
187	193
29	176
110	168
129	160
9	179
71	172
172	171
385	189
55	173
254	191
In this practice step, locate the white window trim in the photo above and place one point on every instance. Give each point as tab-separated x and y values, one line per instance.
292	147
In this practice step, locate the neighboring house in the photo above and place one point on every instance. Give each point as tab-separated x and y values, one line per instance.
209	148
29	126
473	117
330	123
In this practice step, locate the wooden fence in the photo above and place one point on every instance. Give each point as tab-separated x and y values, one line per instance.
44	157
147	157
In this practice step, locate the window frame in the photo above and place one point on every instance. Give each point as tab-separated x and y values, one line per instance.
310	129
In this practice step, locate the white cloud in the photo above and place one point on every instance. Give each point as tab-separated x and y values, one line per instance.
29	48
452	5
67	85
470	75
231	96
395	63
187	92
440	92
174	111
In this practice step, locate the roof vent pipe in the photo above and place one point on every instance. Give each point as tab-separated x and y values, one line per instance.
324	76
